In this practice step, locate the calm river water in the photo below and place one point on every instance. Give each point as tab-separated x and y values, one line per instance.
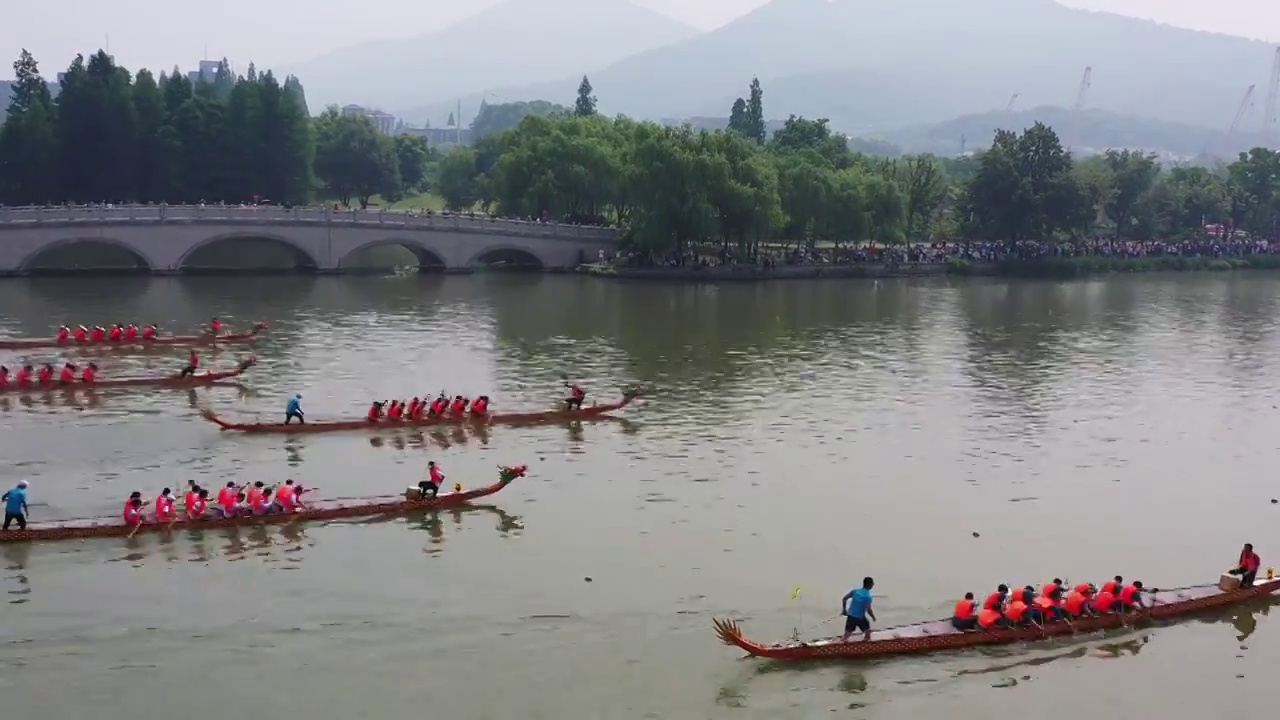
797	434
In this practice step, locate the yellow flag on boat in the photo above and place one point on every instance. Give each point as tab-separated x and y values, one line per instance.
795	592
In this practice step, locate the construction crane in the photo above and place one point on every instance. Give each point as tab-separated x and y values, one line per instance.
1269	112
1009	108
1245	104
1081	96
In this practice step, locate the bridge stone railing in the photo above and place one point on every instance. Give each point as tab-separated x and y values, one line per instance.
263	215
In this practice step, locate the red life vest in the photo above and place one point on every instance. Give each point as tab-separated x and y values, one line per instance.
394	412
98	334
88	375
116	333
63	334
67	375
164	508
196	508
132	515
437	477
479	407
375	412
284	496
148	333
1250	561
458	407
194	360
578	393
81	334
45	376
131	332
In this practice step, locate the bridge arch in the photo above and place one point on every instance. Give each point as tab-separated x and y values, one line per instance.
512	256
429	259
141	263
302	258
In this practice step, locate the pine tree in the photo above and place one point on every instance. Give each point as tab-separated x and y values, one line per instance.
28	147
738	118
586	104
451	121
755	113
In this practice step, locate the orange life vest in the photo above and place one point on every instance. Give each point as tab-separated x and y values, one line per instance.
164	508
988	618
994	601
196	507
1129	595
1074	604
1109	586
1104	601
1015	611
132	515
1044	604
964	609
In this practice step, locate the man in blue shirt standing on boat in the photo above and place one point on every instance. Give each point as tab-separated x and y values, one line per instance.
293	409
15	506
856	608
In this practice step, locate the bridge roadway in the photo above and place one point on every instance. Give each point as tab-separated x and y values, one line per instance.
162	238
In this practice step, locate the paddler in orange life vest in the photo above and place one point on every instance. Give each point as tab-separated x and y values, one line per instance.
458	407
1077	602
90	373
149	332
1015	611
193	362
996	600
965	616
257	490
1130	596
193	492
82	334
285	497
227	499
67	375
375	412
576	396
45	376
64	334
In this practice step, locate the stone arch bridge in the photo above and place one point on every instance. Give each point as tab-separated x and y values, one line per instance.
163	238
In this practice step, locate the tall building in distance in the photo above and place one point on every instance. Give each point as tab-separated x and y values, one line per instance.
384	122
207	72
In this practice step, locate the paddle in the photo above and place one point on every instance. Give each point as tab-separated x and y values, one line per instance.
139	523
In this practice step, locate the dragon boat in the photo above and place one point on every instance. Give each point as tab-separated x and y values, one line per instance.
137	343
529	418
939	635
198	379
317	511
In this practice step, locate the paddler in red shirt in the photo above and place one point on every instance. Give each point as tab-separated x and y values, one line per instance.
459	406
439	405
133	509
131	332
68	374
82	334
576	396
375	412
395	411
434	476
1247	567
149	332
164	506
45	376
23	378
117	333
64	334
255	492
480	407
197	507
215	326
98	334
193	362
90	373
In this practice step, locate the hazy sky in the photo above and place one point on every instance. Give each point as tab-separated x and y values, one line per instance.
161	33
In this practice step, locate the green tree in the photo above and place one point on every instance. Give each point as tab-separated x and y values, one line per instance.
1132	175
1025	189
28	144
755	112
799	134
586	102
1254	182
355	160
413	156
456	179
96	131
494	119
155	161
924	192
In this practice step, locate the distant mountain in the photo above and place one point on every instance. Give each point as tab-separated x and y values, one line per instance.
875	66
513	43
1092	130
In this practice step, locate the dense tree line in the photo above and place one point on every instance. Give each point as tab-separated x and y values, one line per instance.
112	136
670	187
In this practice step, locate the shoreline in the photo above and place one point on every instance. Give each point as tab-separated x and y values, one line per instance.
1053	268
1057	268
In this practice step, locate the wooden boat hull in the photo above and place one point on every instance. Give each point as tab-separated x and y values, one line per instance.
533	418
389	507
139	343
169	381
939	635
